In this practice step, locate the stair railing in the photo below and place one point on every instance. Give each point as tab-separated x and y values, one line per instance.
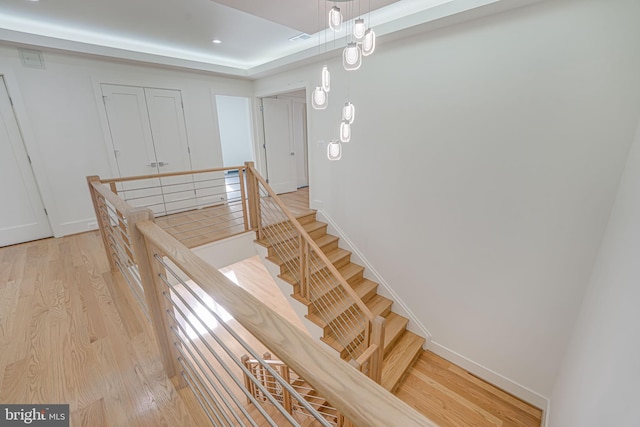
201	319
307	392
196	207
115	220
319	282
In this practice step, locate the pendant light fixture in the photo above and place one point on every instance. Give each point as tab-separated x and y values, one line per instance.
319	99
334	150
361	42
368	42
351	57
348	112
359	29
335	19
326	79
345	131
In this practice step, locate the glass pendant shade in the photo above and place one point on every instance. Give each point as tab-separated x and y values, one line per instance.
334	150
359	30
368	42
319	99
345	131
326	79
351	57
348	112
335	19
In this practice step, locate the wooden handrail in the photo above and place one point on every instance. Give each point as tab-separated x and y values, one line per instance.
169	174
369	405
314	246
120	205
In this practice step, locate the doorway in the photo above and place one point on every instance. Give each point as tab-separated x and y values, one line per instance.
23	217
284	118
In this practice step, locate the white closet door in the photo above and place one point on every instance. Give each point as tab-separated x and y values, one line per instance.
149	136
169	132
22	217
280	154
130	130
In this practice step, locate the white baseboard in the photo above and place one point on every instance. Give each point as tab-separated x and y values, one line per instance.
491	376
75	227
415	325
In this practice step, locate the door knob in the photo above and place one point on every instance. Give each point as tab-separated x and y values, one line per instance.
152	165
292	153
163	163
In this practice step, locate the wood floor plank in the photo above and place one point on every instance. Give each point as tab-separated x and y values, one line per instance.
93	415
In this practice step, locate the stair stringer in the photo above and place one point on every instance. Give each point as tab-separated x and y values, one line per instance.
399	307
300	309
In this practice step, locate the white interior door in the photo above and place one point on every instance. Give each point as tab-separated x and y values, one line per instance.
22	217
169	132
131	136
279	149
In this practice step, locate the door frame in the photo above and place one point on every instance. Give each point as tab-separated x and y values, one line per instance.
259	149
31	147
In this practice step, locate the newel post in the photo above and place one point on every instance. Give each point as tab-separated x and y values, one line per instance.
100	218
377	339
253	188
154	290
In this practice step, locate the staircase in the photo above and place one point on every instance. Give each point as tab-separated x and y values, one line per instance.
401	347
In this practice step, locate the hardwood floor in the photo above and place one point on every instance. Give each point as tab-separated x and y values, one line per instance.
71	333
451	396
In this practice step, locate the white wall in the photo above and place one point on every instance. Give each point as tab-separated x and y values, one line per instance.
598	383
234	121
59	111
483	165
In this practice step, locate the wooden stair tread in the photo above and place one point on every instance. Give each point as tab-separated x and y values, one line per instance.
394	326
326	243
337	256
290	233
351	273
400	359
335	304
378	305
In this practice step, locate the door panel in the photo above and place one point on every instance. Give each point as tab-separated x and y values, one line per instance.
281	163
172	151
130	129
22	217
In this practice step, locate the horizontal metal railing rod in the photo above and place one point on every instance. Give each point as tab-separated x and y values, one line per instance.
220	342
357	397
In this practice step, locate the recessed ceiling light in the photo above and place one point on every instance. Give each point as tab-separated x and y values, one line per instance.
216	41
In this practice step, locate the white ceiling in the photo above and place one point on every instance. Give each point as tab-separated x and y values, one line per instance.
254	33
